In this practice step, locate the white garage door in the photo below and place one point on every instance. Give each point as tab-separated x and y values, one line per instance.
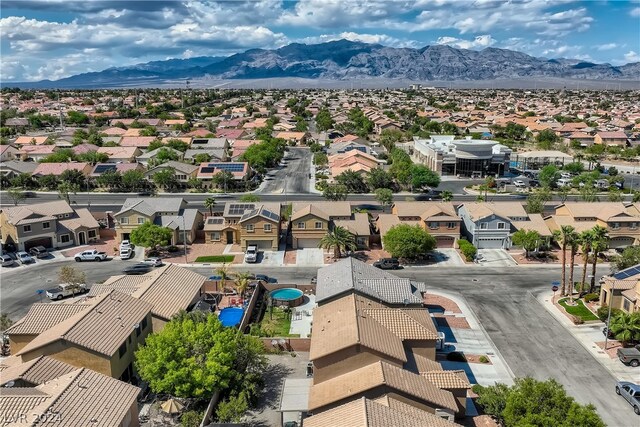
261	244
308	243
621	242
490	243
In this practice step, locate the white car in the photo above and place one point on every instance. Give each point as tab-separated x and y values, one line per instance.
25	258
7	261
251	255
566	175
125	244
156	262
126	253
519	183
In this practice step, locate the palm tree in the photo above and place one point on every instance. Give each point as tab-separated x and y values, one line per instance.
242	283
573	240
209	203
586	239
626	327
338	239
562	237
223	271
599	244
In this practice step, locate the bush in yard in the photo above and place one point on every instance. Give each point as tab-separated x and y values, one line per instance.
191	419
577	320
468	250
484	359
150	235
407	241
603	312
591	297
172	248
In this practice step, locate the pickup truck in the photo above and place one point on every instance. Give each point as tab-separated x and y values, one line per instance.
630	356
66	290
252	254
90	255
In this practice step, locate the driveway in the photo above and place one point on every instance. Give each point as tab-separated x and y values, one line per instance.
447	257
292	177
310	257
269	258
495	258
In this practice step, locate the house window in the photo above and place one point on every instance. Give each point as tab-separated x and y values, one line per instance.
615	225
249	228
633	225
318	225
124	220
92	234
267	228
451	225
64	238
361	241
26	228
141	220
483	226
434	225
144	323
626	305
501	225
301	226
46	225
122	350
215	236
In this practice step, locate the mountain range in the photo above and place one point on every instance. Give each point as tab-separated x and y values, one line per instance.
347	60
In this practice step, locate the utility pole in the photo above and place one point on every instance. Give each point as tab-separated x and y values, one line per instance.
184	238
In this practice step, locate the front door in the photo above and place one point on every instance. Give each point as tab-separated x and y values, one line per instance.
82	240
229	237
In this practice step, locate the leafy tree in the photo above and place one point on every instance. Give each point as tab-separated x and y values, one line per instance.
16	195
547	139
320	159
232	410
529	240
249	198
209	203
384	196
408	241
338	239
379	178
5	322
165	178
149	131
164	155
335	192
534	403
574	167
389	138
626	327
628	258
150	235
155	144
264	155
589	194
61	156
353	181
64	188
110	179
23	180
536	200
324	122
242	282
74	177
73	277
49	182
77	118
93	157
548	176
223	179
422	176
202	158
177	144
133	179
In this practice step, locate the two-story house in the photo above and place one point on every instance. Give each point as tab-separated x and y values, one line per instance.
485	228
102	337
172	213
52	225
611	138
438	218
621	290
309	222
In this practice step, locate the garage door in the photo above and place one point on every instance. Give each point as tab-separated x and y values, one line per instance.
490	243
44	241
444	242
621	242
308	243
265	245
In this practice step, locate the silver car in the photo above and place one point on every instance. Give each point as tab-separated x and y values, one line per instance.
7	261
631	392
25	258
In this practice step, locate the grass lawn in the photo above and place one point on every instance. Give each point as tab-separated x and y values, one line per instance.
578	310
216	258
278	326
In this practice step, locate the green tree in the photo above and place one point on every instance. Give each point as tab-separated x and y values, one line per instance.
64	188
628	258
626	327
530	240
353	181
110	179
165	178
23	180
447	196
191	419
209	203
534	403
547	139
49	182
164	155
150	235
242	282
177	144
320	159
133	180
389	138
548	176
16	195
223	180
384	196
422	176
408	241
335	192
5	322
249	198
202	158
339	239
573	241
61	156
72	277
77	118
232	409
585	239
536	200
562	236
93	157
324	122
379	178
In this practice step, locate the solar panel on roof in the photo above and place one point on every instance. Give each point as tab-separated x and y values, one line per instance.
207	169
104	168
628	272
231	167
240	208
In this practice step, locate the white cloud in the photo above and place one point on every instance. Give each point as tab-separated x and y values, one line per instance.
635	12
607	46
631	56
382	39
479	42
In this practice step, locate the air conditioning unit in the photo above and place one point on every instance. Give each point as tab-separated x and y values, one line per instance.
440	343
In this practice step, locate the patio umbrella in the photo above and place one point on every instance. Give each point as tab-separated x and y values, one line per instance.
172	406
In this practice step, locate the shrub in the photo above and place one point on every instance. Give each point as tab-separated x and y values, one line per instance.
173	248
577	320
191	419
603	312
591	297
468	250
153	253
484	359
321	176
456	356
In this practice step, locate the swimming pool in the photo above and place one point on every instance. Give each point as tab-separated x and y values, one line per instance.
231	316
287	296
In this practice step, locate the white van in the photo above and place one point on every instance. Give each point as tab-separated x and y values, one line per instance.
564	182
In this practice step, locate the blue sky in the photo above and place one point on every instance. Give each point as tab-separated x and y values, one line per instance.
52	39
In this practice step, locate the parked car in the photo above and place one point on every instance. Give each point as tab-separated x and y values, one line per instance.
126	253
24	258
314	280
534	183
630	356
215	277
566	175
252	254
7	261
90	255
519	183
125	244
39	252
138	269
601	184
153	261
631	393
387	263
564	182
65	290
265	278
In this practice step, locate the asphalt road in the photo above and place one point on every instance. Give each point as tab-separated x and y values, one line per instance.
293	177
531	341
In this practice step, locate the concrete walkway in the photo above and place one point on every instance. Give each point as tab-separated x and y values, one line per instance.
587	335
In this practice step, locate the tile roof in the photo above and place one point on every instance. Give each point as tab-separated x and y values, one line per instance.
407	324
350	275
378	374
536	223
630	294
310	209
364	412
42	316
83	219
57	168
150	206
38	212
15	402
120	152
358	226
333	209
102	327
448	379
424	209
36	371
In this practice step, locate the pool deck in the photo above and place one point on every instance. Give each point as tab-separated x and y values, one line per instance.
302	317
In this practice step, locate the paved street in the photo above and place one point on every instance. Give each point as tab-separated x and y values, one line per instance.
531	340
293	177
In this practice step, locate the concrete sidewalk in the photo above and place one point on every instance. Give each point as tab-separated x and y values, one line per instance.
587	335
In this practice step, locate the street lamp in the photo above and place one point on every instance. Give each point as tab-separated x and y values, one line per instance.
606	336
184	238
